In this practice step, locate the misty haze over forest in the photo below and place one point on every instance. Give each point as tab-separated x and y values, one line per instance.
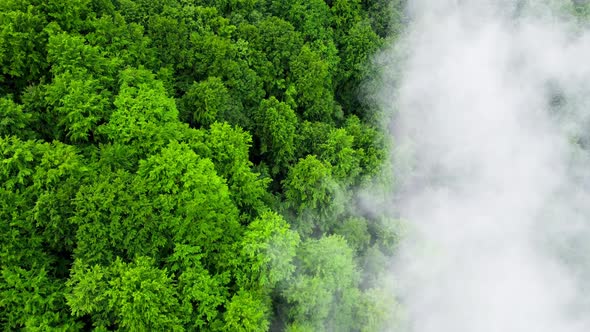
488	105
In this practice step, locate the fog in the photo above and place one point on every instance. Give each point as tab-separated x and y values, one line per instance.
487	102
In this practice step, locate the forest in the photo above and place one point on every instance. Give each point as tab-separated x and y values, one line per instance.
192	165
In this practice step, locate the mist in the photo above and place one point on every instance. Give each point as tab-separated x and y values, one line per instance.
488	106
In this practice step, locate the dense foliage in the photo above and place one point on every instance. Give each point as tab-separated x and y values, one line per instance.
189	165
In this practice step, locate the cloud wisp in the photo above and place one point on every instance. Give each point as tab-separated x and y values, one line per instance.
490	101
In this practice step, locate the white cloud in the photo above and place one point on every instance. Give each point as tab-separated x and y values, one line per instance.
497	195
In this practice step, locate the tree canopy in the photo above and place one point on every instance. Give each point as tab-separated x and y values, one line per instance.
188	165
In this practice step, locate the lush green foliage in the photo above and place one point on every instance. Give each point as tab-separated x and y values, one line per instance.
189	165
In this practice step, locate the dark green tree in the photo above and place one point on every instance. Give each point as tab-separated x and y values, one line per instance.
276	126
313	83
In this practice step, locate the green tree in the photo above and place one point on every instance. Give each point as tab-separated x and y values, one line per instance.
346	13
175	198
14	119
355	48
338	150
71	53
31	299
356	233
247	312
228	148
193	201
279	42
386	16
313	83
324	293
311	135
312	18
276	125
22	44
38	180
21	241
313	196
79	98
127	40
113	220
79	102
201	293
370	145
205	102
128	296
144	116
267	252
